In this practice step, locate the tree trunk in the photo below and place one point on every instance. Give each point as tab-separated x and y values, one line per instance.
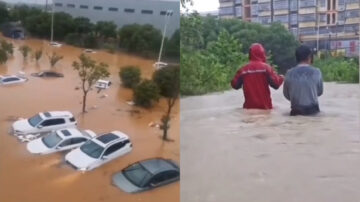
84	102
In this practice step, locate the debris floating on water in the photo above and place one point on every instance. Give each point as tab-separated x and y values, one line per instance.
132	103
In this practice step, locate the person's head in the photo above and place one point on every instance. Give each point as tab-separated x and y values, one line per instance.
304	54
257	52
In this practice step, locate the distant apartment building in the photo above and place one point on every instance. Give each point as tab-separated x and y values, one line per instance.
124	12
336	21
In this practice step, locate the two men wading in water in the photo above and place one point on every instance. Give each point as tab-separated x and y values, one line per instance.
303	83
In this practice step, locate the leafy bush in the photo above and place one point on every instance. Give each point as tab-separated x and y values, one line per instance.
146	93
7	47
339	69
3	56
212	69
130	76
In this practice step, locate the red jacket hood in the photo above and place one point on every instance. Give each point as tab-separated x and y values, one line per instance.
257	53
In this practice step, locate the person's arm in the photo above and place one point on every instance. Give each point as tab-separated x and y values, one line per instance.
237	81
286	89
274	79
320	87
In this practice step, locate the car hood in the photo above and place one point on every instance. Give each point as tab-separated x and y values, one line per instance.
22	126
79	159
124	184
37	146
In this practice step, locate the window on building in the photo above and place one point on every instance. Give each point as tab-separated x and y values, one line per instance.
352	14
98	8
294	5
307	3
293	19
328	19
58	4
307	18
238	1
264	7
307	31
129	10
113	9
254	10
294	31
281	18
147	12
84	7
226	11
333	18
71	5
281	5
265	20
238	11
162	12
322	3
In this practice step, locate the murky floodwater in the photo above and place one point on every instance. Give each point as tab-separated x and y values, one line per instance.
26	177
230	154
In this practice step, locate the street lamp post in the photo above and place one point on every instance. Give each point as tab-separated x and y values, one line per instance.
167	19
52	23
318	28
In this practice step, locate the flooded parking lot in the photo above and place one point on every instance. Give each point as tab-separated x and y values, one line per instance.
231	154
26	177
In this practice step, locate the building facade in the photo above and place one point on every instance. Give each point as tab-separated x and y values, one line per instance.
335	22
124	12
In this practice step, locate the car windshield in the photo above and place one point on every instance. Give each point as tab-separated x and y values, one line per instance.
137	174
51	140
33	121
92	149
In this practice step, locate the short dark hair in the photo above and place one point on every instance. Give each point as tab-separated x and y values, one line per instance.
303	53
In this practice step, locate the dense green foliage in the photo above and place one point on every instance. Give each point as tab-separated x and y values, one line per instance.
25	50
130	76
168	80
3	56
146	93
8	47
339	69
4	14
80	31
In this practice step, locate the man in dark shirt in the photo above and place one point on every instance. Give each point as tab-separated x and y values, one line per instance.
303	84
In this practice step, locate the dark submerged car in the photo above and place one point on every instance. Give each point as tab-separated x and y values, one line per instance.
47	74
147	174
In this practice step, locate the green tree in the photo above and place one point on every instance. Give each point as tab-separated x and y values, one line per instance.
168	80
25	50
143	39
7	47
89	72
105	29
130	76
146	93
37	55
4	13
63	25
3	56
83	25
54	58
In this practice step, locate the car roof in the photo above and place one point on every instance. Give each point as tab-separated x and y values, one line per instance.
109	138
158	165
69	132
8	76
56	114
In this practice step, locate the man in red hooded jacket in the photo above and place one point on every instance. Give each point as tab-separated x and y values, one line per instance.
255	79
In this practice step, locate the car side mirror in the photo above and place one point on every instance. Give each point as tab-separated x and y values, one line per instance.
104	157
153	185
40	126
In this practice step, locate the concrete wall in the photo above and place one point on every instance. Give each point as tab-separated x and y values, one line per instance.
119	16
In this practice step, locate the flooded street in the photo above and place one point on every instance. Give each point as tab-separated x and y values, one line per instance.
31	178
230	154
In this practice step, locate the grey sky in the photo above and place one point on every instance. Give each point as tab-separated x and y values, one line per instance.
26	1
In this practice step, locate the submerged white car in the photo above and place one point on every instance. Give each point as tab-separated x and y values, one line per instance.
43	123
59	140
99	151
13	79
55	44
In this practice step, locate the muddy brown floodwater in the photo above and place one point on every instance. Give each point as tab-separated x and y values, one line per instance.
231	154
31	178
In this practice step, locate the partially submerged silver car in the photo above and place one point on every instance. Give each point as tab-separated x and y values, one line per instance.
147	174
